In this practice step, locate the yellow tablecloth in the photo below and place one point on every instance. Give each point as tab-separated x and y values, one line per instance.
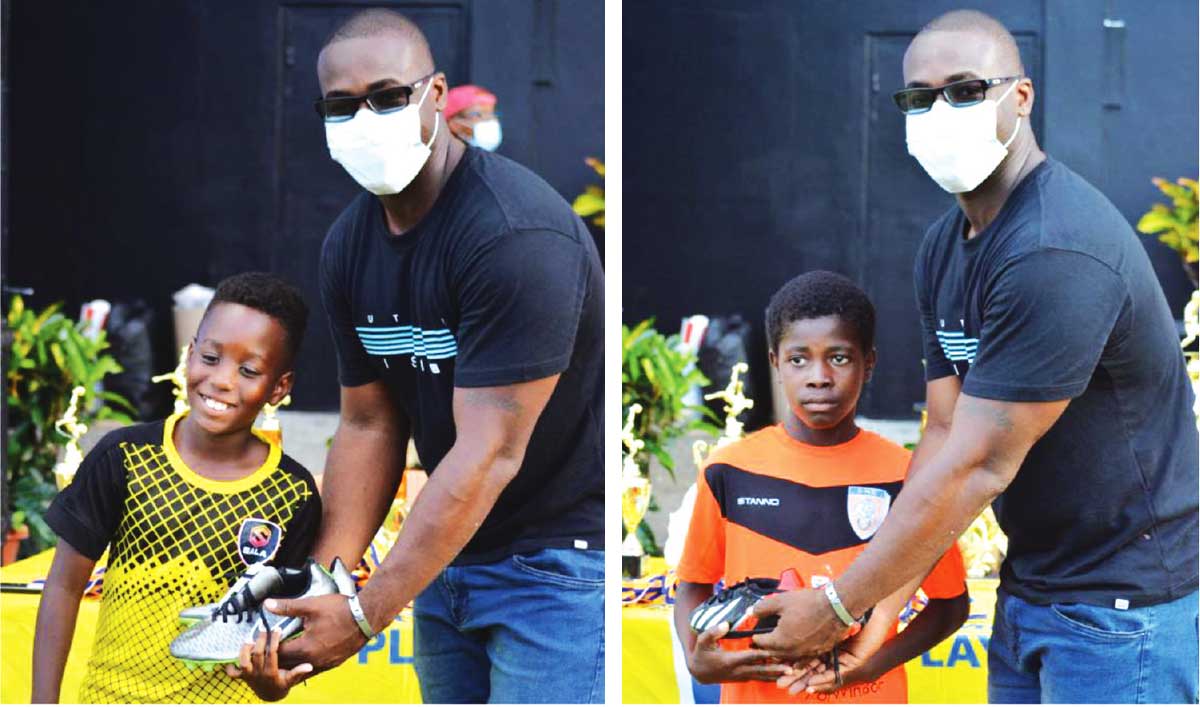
382	672
953	672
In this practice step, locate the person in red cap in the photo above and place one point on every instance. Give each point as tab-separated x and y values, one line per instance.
471	115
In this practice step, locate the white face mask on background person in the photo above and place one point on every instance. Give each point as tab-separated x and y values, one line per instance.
958	147
486	135
383	153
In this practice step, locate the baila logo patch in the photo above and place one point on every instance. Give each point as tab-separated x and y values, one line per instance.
866	507
258	540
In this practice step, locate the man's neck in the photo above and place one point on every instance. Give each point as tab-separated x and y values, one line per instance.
405	210
982	205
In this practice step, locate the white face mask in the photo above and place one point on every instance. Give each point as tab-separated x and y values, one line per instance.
486	135
383	153
958	147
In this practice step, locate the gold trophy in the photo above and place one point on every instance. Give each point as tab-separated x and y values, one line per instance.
635	498
735	404
178	378
70	427
270	426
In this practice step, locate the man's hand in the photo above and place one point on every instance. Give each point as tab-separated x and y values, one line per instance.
807	625
258	665
330	633
853	667
709	663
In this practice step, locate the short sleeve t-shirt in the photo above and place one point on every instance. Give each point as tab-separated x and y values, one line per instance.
769	502
500	283
1056	299
176	539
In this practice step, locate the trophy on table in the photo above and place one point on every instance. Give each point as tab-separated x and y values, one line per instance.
178	378
70	427
735	404
635	498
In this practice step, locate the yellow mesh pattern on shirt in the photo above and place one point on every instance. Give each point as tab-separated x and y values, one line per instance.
176	547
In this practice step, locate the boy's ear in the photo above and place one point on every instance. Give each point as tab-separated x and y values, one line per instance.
283	386
773	359
871	359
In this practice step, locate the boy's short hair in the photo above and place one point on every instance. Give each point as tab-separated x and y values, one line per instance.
820	293
271	295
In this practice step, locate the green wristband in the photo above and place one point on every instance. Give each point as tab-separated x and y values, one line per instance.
360	618
838	608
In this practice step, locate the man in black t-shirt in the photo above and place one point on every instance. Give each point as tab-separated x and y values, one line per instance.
1056	391
465	301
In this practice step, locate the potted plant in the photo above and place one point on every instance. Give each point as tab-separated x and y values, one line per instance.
47	356
657	375
1176	224
13	538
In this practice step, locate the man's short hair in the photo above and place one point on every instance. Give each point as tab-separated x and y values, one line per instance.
375	21
820	293
271	295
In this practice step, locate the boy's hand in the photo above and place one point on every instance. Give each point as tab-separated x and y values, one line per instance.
258	665
709	663
853	667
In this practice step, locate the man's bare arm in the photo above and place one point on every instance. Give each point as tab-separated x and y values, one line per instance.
493	426
987	442
363	471
940	397
981	454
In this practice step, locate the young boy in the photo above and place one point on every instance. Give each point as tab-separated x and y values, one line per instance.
808	494
184	506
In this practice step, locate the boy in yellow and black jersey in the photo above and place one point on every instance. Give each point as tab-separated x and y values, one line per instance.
184	506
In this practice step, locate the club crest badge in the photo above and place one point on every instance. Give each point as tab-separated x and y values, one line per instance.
866	507
258	540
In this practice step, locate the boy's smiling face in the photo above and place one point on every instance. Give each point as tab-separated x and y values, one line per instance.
823	368
238	362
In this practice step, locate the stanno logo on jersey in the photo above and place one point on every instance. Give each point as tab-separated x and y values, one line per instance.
866	507
757	501
258	540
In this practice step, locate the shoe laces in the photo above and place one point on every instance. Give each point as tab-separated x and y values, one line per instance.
239	607
753	585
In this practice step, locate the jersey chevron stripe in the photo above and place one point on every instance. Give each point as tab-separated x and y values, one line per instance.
812	519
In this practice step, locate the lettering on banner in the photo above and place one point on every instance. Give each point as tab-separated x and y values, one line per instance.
390	640
961	651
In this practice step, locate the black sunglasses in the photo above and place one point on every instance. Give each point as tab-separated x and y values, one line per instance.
959	94
381	100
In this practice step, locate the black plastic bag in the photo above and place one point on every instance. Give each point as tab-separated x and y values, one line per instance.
726	342
129	327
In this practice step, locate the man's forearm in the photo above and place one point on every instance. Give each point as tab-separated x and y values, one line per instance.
460	493
938	502
363	471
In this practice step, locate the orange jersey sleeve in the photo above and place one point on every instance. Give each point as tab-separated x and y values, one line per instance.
948	578
703	560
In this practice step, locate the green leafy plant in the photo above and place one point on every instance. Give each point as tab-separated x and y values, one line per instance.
1176	224
653	374
47	357
591	202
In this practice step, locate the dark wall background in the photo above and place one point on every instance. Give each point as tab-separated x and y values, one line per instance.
151	144
765	143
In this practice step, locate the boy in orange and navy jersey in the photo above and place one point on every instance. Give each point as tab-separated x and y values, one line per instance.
808	494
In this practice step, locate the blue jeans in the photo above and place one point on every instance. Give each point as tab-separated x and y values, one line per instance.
1093	654
526	629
